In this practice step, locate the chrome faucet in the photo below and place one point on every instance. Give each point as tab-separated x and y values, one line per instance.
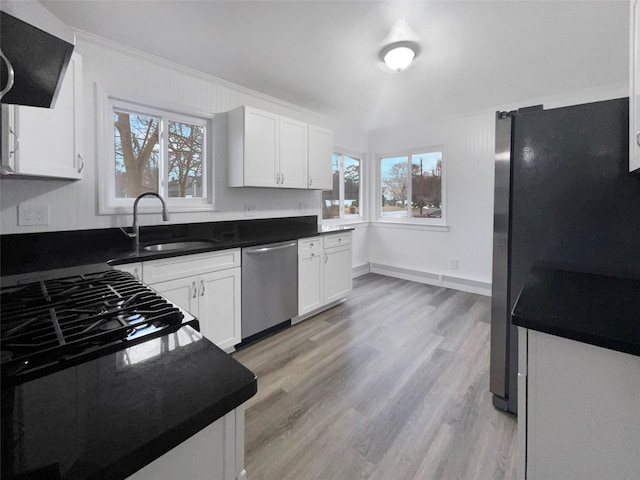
136	227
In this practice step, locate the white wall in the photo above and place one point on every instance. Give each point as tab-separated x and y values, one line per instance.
417	253
131	75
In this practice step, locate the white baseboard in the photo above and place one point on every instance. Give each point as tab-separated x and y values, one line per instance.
439	280
360	270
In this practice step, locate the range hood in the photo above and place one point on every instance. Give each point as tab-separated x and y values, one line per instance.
33	63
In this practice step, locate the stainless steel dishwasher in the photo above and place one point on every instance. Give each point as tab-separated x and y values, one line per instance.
269	286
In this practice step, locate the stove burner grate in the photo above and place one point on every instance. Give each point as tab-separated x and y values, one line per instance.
49	323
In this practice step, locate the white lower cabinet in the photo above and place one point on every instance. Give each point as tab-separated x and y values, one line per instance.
183	292
337	272
214	453
310	282
219	307
582	415
207	285
324	271
134	269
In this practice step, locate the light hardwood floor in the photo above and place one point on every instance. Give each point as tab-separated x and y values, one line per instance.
392	384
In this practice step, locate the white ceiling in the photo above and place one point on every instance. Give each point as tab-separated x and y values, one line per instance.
323	55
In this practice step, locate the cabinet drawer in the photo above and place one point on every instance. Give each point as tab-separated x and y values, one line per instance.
306	246
187	265
337	240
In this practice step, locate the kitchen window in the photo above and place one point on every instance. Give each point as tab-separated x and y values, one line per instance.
343	202
411	185
154	150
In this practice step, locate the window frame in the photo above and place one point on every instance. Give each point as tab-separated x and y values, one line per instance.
108	203
351	218
409	218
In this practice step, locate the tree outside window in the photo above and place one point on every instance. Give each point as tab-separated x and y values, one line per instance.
154	153
343	201
418	177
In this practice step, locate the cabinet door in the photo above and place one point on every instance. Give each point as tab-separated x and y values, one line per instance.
320	153
261	148
46	141
183	292
309	282
134	269
634	83
293	153
337	273
219	307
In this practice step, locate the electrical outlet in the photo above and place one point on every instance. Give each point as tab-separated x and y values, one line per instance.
249	210
30	214
454	264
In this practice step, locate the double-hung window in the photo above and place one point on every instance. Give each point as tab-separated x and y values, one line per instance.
154	150
343	202
411	185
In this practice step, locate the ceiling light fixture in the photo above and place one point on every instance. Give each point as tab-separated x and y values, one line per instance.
399	55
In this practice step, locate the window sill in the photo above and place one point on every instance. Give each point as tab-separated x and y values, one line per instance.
346	221
142	210
412	225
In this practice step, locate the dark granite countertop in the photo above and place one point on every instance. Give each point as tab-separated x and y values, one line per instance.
594	309
33	252
109	417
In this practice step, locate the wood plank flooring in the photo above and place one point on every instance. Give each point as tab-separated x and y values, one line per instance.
392	384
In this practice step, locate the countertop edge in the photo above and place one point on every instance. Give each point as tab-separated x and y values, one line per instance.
594	309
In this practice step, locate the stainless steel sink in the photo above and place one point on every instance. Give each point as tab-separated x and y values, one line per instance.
164	247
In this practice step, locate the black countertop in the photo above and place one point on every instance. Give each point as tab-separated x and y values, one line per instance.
109	417
34	252
594	309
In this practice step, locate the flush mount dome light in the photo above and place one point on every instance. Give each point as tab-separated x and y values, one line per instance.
399	55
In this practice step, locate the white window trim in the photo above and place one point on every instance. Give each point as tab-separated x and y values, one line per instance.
409	220
105	155
354	218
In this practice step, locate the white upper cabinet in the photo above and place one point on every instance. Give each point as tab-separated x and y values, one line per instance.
320	153
293	153
46	142
634	83
253	148
269	150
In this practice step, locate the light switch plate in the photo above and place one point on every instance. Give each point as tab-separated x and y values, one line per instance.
32	214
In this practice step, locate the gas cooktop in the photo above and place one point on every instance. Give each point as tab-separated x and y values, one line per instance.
52	324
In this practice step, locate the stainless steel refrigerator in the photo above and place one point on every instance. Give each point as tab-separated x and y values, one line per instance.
564	198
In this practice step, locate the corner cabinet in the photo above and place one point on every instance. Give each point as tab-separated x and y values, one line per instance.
324	272
634	87
320	154
207	285
269	150
578	414
46	142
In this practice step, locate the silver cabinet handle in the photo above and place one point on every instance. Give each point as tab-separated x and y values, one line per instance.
11	74
310	180
326	257
81	163
17	142
638	138
195	290
202	288
313	254
282	182
277	178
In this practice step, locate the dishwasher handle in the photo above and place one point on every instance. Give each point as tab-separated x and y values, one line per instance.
269	248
